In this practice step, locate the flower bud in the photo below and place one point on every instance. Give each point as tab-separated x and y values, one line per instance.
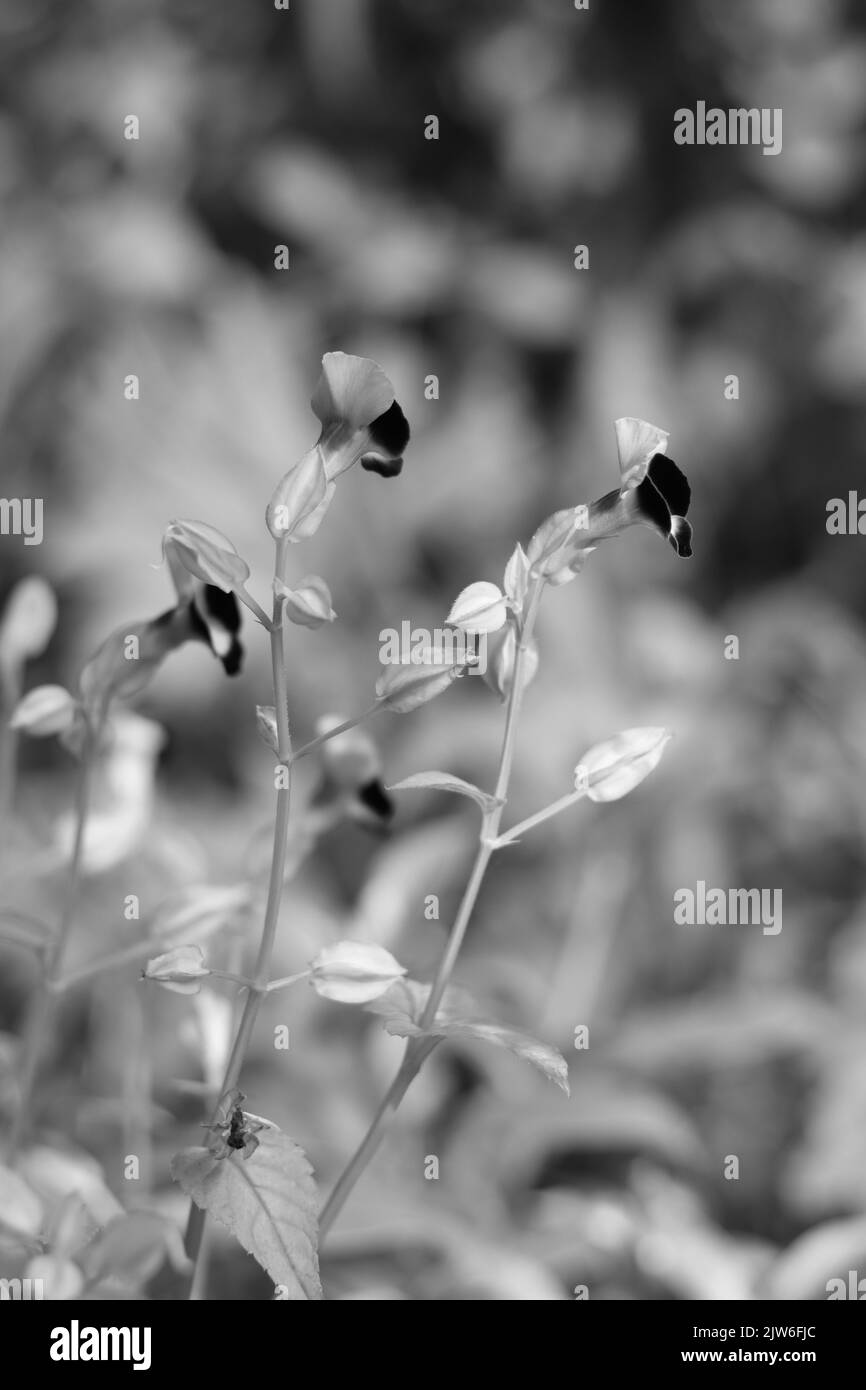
501	659
615	767
28	621
403	688
354	972
478	608
47	710
179	970
308	605
300	500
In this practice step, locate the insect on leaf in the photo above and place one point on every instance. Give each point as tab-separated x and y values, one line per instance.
268	1202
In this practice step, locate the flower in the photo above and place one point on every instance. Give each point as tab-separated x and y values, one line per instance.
653	492
361	423
179	969
361	420
352	776
206	612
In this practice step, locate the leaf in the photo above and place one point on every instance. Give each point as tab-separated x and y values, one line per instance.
444	782
547	1059
402	1008
268	1202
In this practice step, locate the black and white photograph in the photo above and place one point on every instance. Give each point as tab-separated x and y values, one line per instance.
433	667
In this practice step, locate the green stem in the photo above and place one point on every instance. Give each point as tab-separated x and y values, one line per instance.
252	1004
418	1049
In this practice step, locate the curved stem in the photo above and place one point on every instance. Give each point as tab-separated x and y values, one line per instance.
252	1004
417	1050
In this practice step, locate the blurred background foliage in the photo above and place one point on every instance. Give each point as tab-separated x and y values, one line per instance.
455	258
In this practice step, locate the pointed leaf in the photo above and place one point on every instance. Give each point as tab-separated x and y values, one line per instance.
267	1201
444	782
402	1009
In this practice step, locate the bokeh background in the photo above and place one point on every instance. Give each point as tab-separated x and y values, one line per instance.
454	258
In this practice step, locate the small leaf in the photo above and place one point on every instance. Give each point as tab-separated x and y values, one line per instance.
266	720
207	554
47	710
179	969
615	767
354	972
516	578
478	608
547	1059
444	782
267	1201
405	687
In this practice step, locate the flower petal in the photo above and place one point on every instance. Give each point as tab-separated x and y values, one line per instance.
351	390
215	617
636	442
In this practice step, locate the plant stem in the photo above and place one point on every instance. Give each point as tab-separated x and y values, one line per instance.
539	818
10	694
252	1004
332	733
418	1049
42	1005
